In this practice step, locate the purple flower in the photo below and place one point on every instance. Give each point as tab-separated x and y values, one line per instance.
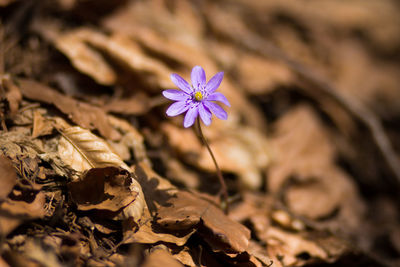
197	98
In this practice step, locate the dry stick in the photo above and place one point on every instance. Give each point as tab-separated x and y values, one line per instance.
362	113
223	191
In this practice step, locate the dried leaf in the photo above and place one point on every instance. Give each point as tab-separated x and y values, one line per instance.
36	252
13	212
244	152
151	233
85	115
82	150
289	246
85	58
106	189
222	234
303	150
137	104
79	46
12	94
8	177
41	125
161	258
262	76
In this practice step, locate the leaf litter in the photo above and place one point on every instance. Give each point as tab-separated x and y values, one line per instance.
94	174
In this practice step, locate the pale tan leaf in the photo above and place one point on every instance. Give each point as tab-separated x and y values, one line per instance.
82	150
85	58
161	258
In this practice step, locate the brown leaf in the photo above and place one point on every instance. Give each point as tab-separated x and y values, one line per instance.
303	150
244	152
103	189
289	246
262	76
6	2
85	58
186	211
12	94
8	177
82	150
151	233
13	212
137	104
41	125
161	258
83	114
82	47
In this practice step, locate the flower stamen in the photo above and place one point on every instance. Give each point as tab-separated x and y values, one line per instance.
198	96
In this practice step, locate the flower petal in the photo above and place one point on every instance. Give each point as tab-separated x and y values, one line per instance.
181	83
177	108
175	95
216	109
205	114
218	97
214	82
198	77
190	116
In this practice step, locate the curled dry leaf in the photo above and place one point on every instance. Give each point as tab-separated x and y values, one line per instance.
12	94
289	246
161	258
148	19
8	177
15	212
151	233
221	233
106	189
82	150
85	58
157	192
83	114
83	46
41	125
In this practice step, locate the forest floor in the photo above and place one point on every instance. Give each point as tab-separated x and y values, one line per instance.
94	173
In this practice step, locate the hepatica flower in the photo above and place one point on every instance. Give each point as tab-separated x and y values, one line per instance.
196	99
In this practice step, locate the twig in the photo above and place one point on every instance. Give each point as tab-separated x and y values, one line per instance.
223	191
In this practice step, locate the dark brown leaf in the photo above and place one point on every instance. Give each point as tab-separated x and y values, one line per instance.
187	210
83	114
8	177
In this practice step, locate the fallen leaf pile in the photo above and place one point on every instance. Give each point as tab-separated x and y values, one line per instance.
93	173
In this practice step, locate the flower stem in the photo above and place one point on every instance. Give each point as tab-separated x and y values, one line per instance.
223	191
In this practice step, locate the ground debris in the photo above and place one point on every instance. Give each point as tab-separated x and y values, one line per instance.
93	173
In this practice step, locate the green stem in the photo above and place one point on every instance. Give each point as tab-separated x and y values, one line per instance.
223	191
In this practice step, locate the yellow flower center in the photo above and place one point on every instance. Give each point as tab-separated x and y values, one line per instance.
198	96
